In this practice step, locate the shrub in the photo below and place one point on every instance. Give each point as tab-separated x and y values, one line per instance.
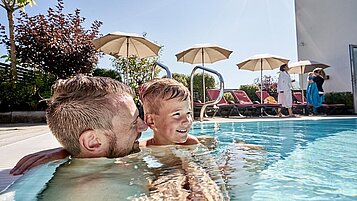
340	97
27	93
250	90
210	83
229	97
56	43
184	79
107	73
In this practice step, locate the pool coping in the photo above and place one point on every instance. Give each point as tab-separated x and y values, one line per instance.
272	118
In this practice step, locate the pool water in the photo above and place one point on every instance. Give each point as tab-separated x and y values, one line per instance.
300	160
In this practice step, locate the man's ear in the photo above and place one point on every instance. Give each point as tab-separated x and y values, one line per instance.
149	121
90	142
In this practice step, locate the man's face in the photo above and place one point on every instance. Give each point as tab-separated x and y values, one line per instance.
173	122
127	128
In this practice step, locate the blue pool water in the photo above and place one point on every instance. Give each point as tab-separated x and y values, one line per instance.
300	160
303	159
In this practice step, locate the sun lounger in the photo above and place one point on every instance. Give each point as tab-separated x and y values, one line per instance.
224	107
297	107
245	103
327	108
297	95
210	110
300	106
242	98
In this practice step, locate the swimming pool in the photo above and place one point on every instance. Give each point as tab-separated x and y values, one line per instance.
304	159
301	160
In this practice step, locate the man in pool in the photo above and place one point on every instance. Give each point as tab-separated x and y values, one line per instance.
91	117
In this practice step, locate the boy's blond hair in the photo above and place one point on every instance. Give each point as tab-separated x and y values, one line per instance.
82	103
157	90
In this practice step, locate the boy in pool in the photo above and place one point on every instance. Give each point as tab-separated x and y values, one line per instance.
167	111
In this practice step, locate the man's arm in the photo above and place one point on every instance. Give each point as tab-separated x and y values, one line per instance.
34	159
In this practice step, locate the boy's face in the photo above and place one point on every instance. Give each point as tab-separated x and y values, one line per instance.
173	122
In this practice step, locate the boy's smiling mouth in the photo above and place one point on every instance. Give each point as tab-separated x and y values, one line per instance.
182	131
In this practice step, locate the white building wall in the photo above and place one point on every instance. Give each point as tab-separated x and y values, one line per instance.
325	29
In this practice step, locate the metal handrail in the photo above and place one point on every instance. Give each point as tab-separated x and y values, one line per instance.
208	103
168	72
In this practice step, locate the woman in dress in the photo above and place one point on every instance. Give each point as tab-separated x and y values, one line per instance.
315	92
312	93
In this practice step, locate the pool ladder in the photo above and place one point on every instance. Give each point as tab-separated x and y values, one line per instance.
211	102
168	72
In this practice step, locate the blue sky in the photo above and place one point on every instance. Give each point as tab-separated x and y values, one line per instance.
246	27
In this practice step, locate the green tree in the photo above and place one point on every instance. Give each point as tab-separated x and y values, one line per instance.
107	73
229	97
11	6
210	83
250	91
184	79
28	93
56	43
139	70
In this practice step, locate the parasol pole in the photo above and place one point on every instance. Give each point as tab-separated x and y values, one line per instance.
302	85
127	60
203	77
261	86
261	81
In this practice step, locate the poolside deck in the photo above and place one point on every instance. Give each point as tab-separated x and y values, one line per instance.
17	140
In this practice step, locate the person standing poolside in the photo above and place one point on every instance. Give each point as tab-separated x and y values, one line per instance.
312	93
319	79
284	90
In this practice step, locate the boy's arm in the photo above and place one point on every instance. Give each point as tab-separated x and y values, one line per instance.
202	184
208	141
191	140
244	146
34	159
143	143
